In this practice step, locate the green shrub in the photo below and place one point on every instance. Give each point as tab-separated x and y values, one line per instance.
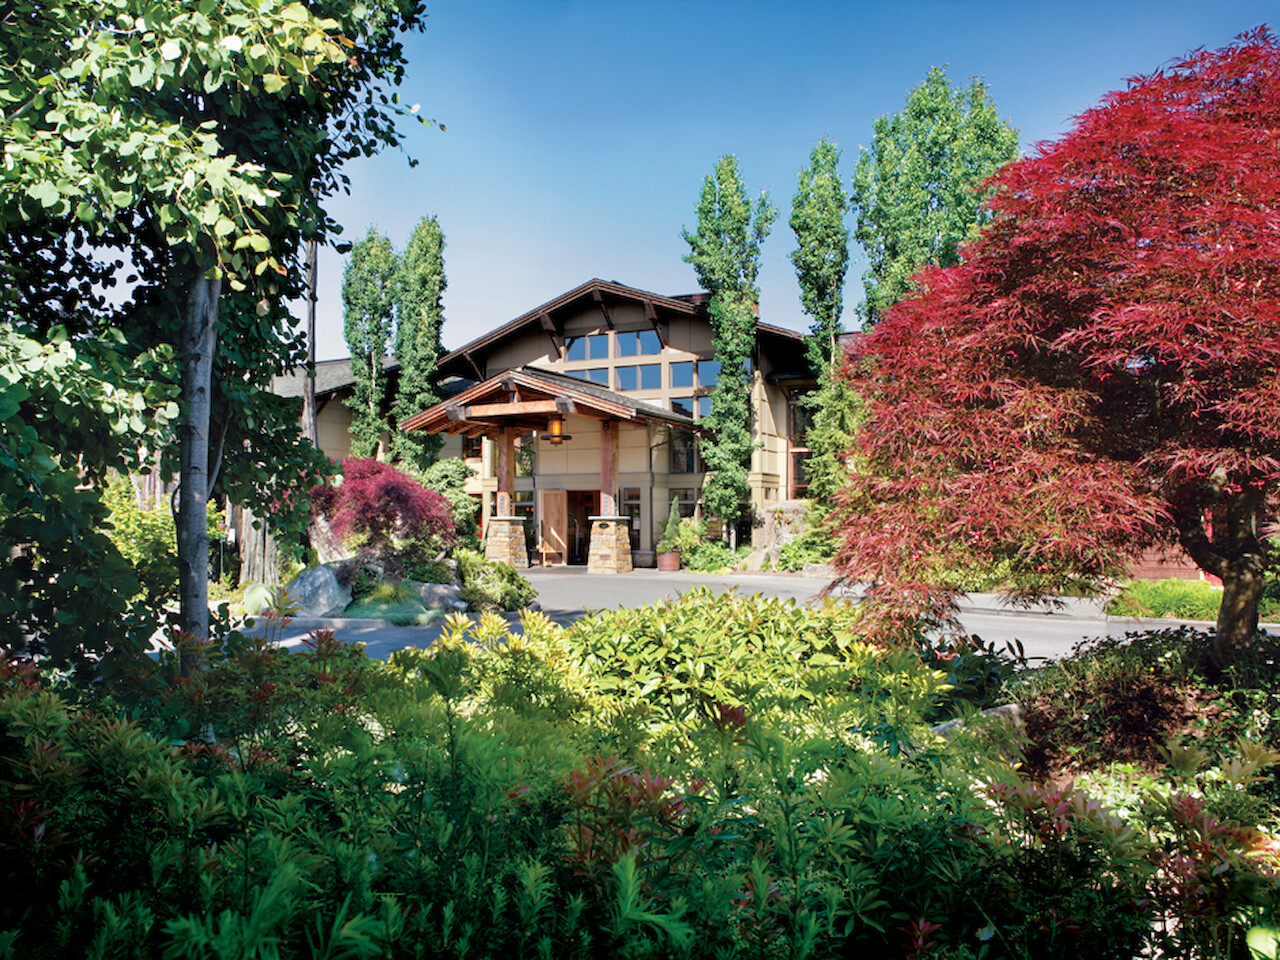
710	557
148	538
720	776
688	535
670	529
491	585
448	477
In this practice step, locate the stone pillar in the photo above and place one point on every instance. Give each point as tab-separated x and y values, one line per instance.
504	540
610	550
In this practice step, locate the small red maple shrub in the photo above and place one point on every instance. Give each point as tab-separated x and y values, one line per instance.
386	505
1101	372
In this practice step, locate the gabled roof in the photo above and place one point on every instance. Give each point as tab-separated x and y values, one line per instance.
460	361
331	376
527	397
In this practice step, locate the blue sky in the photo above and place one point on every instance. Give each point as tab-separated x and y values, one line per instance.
578	132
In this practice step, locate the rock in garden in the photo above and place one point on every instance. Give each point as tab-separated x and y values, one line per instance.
318	593
441	596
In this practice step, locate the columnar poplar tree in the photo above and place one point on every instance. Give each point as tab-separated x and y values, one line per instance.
822	261
725	253
1101	373
916	190
368	300
822	257
419	317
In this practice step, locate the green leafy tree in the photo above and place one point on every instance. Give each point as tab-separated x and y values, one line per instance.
917	190
724	251
200	140
821	258
419	317
368	300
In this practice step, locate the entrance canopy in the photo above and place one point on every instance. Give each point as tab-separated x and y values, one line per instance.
526	398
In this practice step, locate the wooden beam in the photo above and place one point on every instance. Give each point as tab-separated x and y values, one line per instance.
565	405
551	330
651	314
598	297
474	366
505	468
514	408
454	412
609	468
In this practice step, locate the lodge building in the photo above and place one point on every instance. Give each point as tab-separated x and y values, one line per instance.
581	418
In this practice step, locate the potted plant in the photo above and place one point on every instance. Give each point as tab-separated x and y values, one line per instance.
668	547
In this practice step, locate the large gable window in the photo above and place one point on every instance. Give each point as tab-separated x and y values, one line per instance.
594	347
647	376
598	375
638	343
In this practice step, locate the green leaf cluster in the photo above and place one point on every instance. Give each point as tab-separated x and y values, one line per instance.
918	189
821	258
192	141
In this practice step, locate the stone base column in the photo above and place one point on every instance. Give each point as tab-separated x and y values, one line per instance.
504	540
610	550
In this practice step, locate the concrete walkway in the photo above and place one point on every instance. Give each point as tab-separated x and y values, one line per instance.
566	594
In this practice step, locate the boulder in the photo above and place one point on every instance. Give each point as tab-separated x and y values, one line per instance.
1012	715
440	596
318	593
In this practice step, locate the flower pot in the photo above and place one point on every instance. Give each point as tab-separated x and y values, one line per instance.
669	561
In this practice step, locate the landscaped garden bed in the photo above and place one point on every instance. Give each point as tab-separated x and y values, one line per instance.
713	777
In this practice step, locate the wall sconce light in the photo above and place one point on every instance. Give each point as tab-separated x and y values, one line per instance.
555	431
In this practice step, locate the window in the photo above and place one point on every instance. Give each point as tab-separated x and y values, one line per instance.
687	500
645	377
525	453
644	343
631	508
594	347
708	372
801	418
594	374
682	376
472	446
799	481
696	407
522	504
684	453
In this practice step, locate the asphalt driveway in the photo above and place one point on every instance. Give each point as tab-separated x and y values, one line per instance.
567	594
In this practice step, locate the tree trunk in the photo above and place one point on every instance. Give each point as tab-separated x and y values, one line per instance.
309	427
1235	555
259	556
1238	616
199	341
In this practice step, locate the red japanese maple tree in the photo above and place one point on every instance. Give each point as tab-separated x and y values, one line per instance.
384	504
1101	373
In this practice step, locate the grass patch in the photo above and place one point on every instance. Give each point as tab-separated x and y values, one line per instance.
396	603
1177	599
